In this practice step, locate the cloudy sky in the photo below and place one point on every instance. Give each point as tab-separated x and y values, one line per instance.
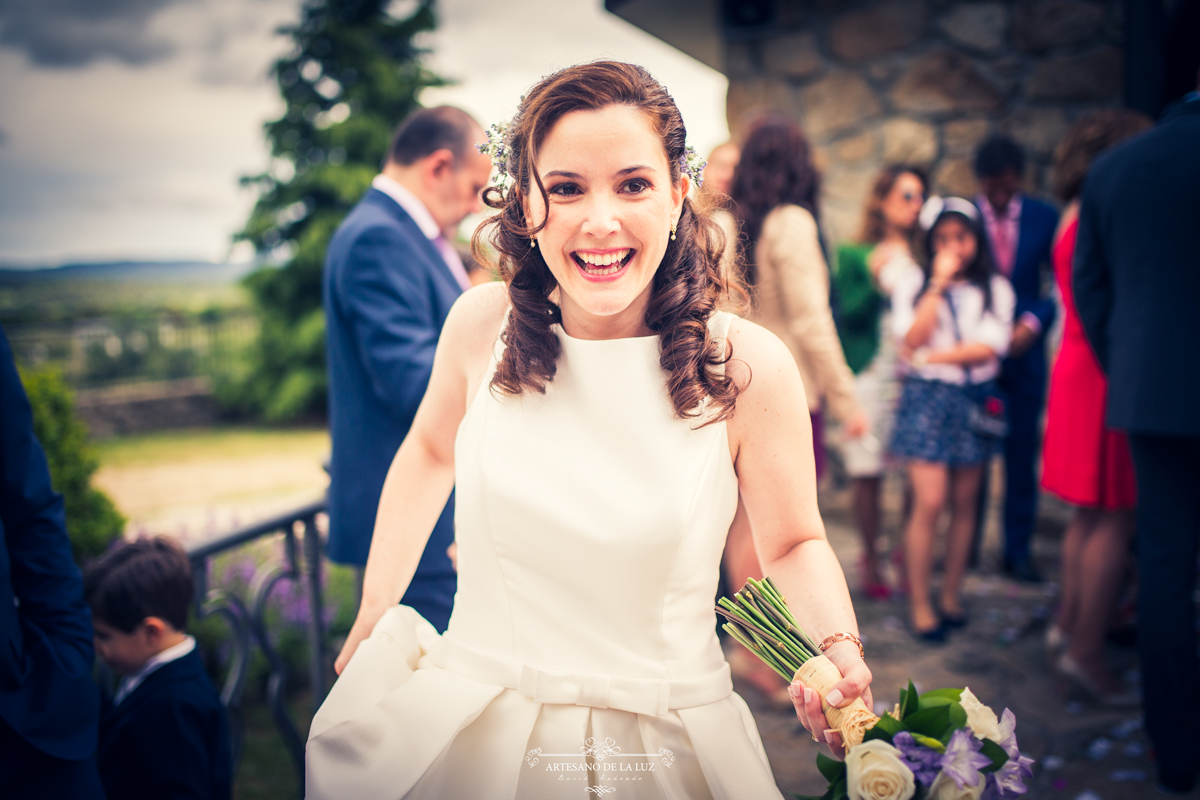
127	122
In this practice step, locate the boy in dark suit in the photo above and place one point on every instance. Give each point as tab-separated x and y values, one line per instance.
165	733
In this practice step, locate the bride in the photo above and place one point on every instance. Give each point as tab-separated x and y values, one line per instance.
601	421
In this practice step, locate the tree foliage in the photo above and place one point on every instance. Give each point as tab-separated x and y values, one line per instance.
93	522
353	75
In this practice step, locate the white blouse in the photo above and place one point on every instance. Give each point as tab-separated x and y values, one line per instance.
976	326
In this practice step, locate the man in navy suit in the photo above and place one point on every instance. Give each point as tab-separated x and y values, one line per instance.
1020	233
1137	288
390	279
48	702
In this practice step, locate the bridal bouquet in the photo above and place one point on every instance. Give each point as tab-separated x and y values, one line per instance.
941	745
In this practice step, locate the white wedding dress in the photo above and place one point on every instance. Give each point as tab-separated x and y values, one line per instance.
581	659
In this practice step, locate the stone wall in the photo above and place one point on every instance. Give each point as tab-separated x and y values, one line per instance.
145	407
925	81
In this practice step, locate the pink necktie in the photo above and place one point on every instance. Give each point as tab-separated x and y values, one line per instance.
450	256
1004	245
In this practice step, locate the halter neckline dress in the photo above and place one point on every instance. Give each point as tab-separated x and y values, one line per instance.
581	659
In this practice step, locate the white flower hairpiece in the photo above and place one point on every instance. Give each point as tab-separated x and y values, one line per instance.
935	206
691	163
497	148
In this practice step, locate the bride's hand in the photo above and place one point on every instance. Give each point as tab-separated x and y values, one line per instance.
364	623
855	682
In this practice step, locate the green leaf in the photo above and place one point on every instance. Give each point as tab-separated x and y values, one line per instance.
831	768
910	701
838	790
932	744
877	733
958	716
929	722
889	724
996	753
949	694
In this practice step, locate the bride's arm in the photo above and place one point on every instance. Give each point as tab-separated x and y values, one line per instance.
421	476
771	434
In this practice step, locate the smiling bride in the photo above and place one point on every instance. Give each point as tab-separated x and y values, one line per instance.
599	419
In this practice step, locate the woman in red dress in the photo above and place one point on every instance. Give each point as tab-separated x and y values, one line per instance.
1084	462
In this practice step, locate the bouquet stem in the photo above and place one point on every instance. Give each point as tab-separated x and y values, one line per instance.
760	620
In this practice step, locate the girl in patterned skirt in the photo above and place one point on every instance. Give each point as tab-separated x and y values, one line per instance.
952	319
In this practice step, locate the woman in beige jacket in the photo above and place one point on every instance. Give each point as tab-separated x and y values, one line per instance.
774	195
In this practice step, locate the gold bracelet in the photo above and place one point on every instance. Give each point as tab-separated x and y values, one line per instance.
832	639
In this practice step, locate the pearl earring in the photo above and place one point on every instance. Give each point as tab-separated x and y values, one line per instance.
532	243
672	231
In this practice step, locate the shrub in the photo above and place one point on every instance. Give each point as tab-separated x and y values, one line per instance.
93	522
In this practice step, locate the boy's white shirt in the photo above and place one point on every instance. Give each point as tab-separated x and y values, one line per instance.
174	653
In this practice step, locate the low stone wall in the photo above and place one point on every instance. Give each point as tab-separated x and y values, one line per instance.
925	81
147	407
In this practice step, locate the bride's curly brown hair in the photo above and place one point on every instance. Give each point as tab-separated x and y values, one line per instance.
687	287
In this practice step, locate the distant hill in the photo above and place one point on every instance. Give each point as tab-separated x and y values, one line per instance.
75	292
160	272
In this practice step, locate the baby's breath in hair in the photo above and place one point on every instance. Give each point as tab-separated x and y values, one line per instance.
496	148
692	165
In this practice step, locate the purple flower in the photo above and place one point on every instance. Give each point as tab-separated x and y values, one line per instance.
1008	733
923	761
963	760
1008	780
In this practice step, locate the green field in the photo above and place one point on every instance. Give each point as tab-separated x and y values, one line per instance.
232	443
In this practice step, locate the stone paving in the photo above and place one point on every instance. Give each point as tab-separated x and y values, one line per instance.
1084	751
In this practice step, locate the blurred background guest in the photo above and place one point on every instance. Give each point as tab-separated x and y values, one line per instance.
863	280
390	279
953	317
49	706
1019	231
718	171
1137	283
774	192
717	180
1083	461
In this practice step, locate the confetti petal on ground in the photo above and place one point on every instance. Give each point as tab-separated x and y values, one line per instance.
1127	776
1133	750
1099	748
1127	728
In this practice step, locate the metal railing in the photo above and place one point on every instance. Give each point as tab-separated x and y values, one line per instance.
246	617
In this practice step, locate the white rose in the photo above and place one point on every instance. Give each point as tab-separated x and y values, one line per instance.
980	719
874	771
944	788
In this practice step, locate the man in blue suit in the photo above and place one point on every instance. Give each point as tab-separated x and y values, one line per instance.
1137	285
1020	233
49	705
390	279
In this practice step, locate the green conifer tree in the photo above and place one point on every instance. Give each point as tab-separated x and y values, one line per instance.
352	76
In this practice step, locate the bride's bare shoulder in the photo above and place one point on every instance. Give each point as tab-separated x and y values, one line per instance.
474	321
759	357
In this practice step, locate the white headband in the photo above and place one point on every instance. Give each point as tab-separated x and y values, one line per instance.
936	206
